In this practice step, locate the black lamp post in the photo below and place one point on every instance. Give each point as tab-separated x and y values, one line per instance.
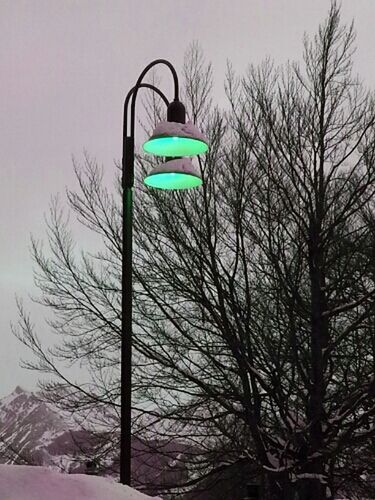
172	139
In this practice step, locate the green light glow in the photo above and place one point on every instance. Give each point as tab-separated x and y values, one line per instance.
172	180
175	146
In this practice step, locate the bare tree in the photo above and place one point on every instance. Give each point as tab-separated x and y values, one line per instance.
254	319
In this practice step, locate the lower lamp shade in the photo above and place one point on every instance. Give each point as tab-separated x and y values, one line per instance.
178	173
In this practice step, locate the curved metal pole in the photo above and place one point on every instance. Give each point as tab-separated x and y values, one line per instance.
139	81
130	94
128	141
127	268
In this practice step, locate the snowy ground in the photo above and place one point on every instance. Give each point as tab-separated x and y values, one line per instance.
22	482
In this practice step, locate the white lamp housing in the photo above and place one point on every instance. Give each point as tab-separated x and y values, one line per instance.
178	173
175	139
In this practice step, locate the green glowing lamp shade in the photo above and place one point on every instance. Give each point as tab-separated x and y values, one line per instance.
176	139
174	174
172	180
175	146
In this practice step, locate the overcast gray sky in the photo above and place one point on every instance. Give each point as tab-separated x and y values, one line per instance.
65	68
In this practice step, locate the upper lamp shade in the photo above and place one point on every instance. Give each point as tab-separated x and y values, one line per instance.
179	173
176	139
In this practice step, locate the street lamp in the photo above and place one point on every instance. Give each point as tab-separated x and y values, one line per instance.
173	139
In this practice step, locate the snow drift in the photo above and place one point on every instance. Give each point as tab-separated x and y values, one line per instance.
23	482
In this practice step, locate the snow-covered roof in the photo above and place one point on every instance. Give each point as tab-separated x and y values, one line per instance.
23	482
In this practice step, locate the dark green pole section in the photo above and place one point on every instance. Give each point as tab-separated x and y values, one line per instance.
126	303
127	266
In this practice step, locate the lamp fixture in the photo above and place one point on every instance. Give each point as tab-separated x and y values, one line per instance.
175	173
176	139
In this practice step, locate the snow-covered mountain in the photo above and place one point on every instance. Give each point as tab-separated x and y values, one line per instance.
33	432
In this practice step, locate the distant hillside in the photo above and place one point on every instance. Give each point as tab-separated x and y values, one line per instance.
33	432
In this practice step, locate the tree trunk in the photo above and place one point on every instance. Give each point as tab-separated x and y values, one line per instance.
278	488
281	488
310	489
